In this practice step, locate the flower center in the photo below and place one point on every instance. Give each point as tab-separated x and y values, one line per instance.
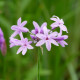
25	44
59	23
36	32
47	38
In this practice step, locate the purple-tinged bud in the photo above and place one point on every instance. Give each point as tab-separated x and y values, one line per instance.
33	37
3	46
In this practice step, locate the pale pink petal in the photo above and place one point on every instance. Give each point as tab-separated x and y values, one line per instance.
14	27
54	19
33	31
54	34
24	40
35	25
12	45
41	42
21	35
23	23
24	29
54	25
29	47
54	42
19	21
62	43
59	34
24	51
14	34
61	21
65	43
48	45
19	50
44	24
30	42
41	36
63	27
65	36
45	30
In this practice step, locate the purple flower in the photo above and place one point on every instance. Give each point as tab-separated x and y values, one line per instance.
47	39
14	42
2	43
19	27
24	45
60	39
58	23
38	29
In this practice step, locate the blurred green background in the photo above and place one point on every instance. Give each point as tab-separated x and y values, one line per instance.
58	64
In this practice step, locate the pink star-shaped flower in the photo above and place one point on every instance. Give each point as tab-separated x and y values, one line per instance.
47	39
38	29
24	46
19	27
58	23
60	39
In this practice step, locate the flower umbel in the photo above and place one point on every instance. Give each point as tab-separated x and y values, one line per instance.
39	35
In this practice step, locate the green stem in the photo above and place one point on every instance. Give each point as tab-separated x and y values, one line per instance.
38	65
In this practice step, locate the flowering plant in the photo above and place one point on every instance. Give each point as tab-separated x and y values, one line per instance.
39	35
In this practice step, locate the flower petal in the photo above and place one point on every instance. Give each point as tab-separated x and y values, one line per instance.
30	42
23	29
44	24
54	42
14	34
33	37
48	45
24	51
62	43
35	25
19	50
23	23
54	25
54	19
65	36
12	45
54	34
14	27
41	42
59	38
21	35
29	47
63	27
45	30
19	21
41	36
33	31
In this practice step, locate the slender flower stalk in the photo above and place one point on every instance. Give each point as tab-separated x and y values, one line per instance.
38	64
